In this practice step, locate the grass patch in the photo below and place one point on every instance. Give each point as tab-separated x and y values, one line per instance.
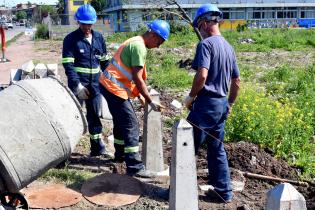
71	178
167	74
264	39
171	78
267	39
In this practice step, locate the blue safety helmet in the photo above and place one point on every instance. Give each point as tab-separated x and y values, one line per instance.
86	14
160	27
205	10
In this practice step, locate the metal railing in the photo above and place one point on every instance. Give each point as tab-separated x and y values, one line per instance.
61	25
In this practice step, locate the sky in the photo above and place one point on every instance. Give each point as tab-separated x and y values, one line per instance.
11	3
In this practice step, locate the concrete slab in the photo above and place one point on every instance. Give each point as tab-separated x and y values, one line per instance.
184	190
52	69
40	70
18	53
15	75
176	104
152	146
25	76
28	66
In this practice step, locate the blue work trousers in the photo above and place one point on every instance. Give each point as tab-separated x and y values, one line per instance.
126	130
92	115
92	105
208	116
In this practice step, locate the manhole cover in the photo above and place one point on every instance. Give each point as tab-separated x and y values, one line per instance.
112	190
51	196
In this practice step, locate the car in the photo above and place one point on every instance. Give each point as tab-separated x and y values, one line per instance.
17	24
4	25
10	24
22	24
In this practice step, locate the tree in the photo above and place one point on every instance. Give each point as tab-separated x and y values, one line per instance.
98	5
45	9
60	7
21	15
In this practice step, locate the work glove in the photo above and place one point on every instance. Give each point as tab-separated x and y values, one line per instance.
156	106
189	101
82	92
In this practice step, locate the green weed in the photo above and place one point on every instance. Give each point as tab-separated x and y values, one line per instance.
283	126
71	178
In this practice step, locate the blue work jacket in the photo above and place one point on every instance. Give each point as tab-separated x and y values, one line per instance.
82	61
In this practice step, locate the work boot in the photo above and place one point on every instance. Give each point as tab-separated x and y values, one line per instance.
216	197
118	159
142	173
97	147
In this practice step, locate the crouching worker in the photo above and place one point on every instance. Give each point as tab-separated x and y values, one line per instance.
123	80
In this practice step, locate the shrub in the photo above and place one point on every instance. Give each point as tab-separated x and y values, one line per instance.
180	27
42	32
283	126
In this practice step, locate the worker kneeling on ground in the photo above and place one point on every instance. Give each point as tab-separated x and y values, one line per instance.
83	55
123	80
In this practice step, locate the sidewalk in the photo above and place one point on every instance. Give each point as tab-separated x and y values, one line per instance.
18	52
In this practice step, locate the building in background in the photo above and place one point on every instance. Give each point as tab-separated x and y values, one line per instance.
129	15
71	7
66	22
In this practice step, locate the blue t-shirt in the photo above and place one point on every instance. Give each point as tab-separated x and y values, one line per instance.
217	55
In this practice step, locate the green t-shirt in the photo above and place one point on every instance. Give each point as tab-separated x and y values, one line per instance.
134	54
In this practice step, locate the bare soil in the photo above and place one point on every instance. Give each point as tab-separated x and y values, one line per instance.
242	156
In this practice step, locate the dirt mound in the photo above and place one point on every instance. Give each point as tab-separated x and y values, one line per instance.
248	157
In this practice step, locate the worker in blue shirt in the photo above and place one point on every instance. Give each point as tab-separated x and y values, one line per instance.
212	95
83	57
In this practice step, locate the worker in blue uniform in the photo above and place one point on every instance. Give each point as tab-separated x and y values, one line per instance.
212	95
83	56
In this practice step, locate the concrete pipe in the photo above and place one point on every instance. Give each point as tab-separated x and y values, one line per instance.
40	124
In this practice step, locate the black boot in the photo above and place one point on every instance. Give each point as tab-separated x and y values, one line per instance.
97	147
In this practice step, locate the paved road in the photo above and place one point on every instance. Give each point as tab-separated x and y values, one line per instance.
10	33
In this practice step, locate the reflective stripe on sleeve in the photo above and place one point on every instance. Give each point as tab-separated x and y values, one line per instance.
96	136
67	60
119	142
131	149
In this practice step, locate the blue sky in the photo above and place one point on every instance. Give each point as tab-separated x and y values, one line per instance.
11	3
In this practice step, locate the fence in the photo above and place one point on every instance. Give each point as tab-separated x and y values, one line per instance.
61	25
264	23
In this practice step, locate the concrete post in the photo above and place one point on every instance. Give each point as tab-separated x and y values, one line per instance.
152	149
285	196
184	190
